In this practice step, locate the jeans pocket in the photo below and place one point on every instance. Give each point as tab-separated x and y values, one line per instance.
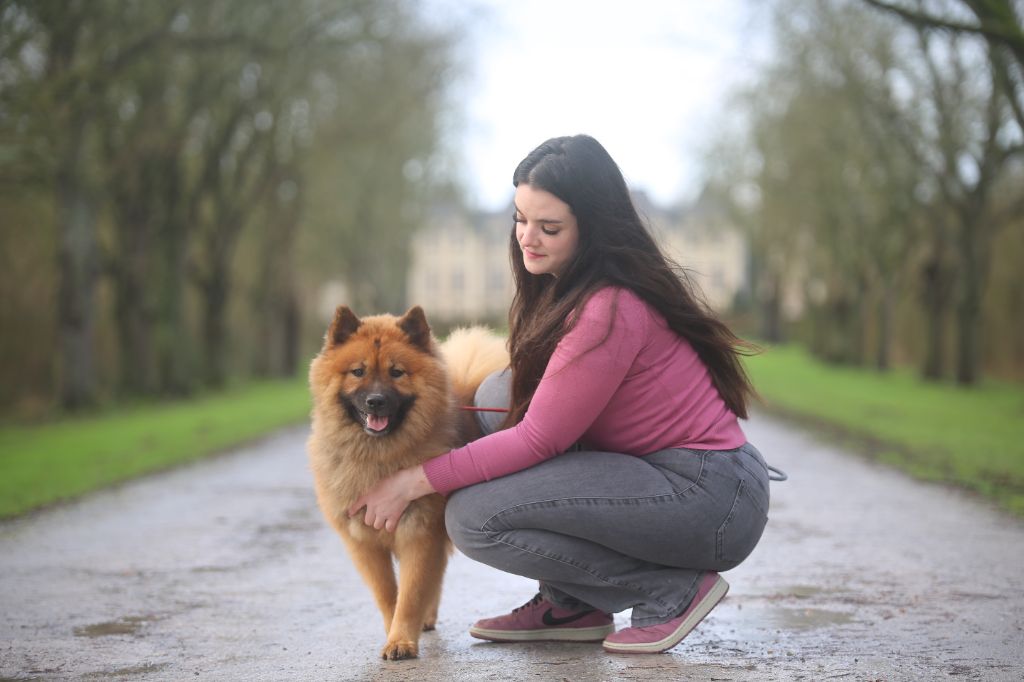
741	530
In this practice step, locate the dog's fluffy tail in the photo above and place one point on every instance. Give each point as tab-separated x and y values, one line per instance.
471	354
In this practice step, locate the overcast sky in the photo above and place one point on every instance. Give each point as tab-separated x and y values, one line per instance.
647	78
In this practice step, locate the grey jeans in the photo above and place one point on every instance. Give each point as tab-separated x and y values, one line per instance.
614	531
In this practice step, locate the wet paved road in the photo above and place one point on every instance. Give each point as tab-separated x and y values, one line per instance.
224	570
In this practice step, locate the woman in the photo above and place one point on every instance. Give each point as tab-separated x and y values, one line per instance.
622	479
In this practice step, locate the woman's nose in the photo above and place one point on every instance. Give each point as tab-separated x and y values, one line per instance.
529	235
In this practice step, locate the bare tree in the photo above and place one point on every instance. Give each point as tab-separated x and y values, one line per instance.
969	154
885	150
835	211
169	134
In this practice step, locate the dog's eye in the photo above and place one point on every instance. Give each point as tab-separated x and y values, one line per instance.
358	372
395	372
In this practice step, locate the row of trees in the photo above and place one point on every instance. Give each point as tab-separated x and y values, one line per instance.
882	166
157	160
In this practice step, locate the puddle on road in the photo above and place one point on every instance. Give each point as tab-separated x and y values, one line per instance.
802	591
806	619
129	625
126	672
772	617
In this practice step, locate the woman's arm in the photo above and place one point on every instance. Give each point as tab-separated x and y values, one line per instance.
386	502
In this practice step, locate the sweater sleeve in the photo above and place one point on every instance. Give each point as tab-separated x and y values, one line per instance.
585	370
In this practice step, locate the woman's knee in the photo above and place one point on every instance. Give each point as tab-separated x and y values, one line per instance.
494	392
464	517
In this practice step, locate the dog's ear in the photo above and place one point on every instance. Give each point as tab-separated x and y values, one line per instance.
344	325
414	324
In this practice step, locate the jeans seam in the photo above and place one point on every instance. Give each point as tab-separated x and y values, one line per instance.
756	479
720	535
581	501
755	474
700	475
674	611
695	483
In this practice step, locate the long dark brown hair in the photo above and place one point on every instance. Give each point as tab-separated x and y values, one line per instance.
615	249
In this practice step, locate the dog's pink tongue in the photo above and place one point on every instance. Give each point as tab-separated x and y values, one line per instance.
376	423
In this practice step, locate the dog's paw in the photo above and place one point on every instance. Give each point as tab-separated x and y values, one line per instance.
399	650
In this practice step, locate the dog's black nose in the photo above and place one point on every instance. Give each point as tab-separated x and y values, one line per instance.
375	401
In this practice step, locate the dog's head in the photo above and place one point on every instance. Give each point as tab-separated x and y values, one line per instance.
381	374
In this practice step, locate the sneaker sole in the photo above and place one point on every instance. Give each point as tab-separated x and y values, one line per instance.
709	602
592	634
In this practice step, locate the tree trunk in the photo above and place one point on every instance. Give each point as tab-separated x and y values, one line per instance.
135	339
292	336
216	287
841	347
883	351
771	311
859	324
935	341
276	298
968	370
215	303
132	276
936	302
172	347
78	268
968	313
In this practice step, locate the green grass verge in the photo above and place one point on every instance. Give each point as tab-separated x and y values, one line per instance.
56	461
971	437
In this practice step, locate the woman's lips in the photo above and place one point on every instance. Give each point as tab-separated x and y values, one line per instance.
531	255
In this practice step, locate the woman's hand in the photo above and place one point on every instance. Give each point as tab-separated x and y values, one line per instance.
386	502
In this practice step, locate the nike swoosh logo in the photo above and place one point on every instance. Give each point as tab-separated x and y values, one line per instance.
549	619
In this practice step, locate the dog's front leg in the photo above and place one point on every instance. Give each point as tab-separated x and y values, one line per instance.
374	563
421	564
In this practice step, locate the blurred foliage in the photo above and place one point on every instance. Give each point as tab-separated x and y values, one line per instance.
178	179
879	171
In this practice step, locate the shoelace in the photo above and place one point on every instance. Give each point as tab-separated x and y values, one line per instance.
537	598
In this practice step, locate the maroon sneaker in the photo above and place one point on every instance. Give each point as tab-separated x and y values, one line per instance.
539	620
654	639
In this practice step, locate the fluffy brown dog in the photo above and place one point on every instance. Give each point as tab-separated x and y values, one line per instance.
383	401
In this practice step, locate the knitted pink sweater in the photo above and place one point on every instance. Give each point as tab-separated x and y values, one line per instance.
640	391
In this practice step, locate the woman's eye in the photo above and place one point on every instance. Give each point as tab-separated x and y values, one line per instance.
395	372
518	219
358	372
548	231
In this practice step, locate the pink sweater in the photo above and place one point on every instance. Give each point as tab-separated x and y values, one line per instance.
640	391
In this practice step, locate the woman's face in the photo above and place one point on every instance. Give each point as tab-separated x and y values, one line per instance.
546	230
